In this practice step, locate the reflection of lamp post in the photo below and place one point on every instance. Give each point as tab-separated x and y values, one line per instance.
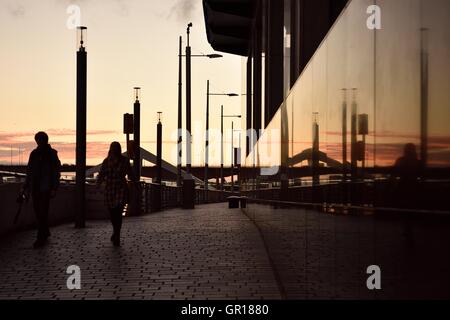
354	138
344	134
208	94
315	149
363	129
424	97
81	128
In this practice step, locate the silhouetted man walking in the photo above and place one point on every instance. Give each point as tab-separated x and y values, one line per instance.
43	174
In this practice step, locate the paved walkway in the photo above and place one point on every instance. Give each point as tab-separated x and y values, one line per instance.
213	252
210	252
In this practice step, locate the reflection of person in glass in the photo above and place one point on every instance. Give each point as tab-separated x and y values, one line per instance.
408	170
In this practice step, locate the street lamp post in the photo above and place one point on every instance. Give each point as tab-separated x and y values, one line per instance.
137	163
207	141
232	158
188	56
188	103
157	194
239	162
235	157
221	149
208	94
221	144
180	112
81	129
128	125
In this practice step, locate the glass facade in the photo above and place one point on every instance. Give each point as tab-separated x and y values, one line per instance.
287	47
367	99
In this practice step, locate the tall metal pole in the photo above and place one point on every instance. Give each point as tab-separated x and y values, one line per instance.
424	97
158	188
136	201
354	131
232	157
159	150
137	136
188	105
128	129
81	133
239	161
180	112
344	135
315	150
221	149
207	140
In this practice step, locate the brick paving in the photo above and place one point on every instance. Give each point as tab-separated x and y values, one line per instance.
207	253
216	253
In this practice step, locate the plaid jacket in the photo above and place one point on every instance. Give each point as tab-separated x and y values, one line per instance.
114	175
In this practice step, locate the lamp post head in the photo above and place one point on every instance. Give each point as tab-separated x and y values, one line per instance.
159	116
81	37
137	93
214	56
188	32
315	116
189	28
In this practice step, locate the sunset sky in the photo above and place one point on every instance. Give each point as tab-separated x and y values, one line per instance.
129	43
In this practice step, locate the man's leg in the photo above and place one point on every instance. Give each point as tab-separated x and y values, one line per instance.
37	212
42	204
45	206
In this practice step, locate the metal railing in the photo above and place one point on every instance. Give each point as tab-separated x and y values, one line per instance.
171	197
385	194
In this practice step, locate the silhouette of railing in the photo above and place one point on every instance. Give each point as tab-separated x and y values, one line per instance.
171	197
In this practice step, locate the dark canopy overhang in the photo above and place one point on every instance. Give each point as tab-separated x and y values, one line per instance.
228	24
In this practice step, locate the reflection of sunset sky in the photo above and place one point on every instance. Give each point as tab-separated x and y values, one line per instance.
388	148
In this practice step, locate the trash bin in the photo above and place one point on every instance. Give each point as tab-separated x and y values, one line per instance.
243	201
233	202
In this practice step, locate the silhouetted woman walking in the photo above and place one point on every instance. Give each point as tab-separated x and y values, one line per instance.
114	170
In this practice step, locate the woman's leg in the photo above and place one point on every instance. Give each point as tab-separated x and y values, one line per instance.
113	216
116	220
